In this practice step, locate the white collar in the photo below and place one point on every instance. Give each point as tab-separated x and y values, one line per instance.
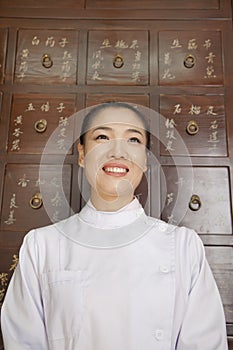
110	220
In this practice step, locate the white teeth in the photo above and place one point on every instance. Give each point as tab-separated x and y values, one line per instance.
115	170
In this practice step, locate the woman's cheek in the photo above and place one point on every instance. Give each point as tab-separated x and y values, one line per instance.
139	158
93	163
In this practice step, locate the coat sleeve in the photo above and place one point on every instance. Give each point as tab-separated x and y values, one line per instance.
22	319
203	325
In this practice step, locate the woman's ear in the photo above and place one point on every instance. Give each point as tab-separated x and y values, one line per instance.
81	155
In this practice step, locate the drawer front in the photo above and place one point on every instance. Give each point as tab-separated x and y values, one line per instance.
200	122
198	198
117	57
221	262
0	103
3	47
8	263
95	99
33	120
24	204
46	57
153	4
190	58
44	4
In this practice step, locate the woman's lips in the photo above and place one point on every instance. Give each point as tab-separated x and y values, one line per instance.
115	169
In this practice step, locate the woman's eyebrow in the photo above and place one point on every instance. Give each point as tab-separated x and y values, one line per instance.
135	130
101	128
111	129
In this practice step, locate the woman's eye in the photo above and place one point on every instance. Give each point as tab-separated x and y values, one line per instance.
134	139
102	137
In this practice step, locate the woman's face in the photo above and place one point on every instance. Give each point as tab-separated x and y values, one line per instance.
114	154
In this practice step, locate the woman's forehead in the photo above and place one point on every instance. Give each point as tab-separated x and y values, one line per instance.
117	117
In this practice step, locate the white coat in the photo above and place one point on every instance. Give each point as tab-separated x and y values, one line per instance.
113	281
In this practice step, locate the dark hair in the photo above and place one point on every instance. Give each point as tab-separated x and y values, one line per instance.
95	111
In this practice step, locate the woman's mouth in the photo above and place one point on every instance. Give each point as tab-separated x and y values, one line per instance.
115	170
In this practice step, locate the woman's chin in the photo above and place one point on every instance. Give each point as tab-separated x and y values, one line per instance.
121	189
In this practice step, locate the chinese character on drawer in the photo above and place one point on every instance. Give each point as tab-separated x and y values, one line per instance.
200	122
197	197
46	56
118	57
34	196
190	57
39	116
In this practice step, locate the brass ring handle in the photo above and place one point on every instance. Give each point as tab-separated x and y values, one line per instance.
195	202
189	61
40	125
36	201
47	61
192	127
118	61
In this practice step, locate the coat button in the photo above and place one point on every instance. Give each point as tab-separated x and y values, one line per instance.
162	227
159	334
164	268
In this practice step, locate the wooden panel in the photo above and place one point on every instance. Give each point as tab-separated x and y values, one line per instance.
211	184
22	183
153	4
8	262
200	122
0	103
46	56
94	99
38	116
221	262
118	57
3	46
190	57
56	4
230	343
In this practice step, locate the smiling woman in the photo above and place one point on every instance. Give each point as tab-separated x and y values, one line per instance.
111	277
113	152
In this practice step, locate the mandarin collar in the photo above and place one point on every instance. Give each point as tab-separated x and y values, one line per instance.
111	220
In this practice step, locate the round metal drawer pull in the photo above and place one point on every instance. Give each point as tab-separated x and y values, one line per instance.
36	201
118	61
192	127
47	61
195	202
189	61
40	125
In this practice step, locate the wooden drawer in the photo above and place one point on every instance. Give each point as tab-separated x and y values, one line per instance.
190	58
3	46
230	343
221	262
200	122
0	103
8	263
23	208
46	56
118	57
197	198
44	4
153	4
95	99
38	116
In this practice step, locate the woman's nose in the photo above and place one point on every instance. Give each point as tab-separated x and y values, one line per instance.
118	149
